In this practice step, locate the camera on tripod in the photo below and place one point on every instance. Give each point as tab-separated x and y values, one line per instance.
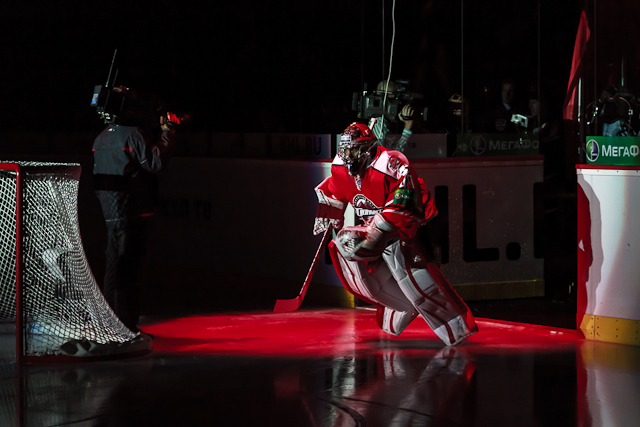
125	105
108	102
374	104
129	106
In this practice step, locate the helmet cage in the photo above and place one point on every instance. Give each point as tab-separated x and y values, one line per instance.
355	147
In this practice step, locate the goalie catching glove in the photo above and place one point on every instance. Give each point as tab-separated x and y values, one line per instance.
365	243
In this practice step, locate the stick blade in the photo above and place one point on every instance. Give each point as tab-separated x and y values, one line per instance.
286	305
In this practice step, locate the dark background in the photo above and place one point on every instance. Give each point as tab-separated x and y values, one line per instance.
292	66
253	65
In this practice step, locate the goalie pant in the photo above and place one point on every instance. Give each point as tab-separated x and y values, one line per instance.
402	285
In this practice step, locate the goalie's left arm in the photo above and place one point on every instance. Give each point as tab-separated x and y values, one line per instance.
408	202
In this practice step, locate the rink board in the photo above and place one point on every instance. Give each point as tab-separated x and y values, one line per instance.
608	242
217	217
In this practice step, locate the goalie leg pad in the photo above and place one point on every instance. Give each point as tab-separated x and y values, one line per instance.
437	302
394	322
370	281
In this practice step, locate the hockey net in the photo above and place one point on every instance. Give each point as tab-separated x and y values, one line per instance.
63	310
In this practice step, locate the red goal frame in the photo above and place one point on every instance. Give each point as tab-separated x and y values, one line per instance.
19	318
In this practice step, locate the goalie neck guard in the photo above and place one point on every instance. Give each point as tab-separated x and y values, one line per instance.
355	147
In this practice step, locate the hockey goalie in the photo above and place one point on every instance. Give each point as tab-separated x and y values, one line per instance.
381	260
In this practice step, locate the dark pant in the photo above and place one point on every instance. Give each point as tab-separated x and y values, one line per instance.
126	250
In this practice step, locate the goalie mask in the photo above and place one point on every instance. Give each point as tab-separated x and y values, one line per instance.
355	147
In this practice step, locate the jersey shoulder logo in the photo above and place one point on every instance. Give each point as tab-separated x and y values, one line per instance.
393	164
398	166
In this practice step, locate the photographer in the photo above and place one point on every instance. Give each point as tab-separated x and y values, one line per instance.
380	128
127	154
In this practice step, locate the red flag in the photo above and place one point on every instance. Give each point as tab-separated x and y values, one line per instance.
571	101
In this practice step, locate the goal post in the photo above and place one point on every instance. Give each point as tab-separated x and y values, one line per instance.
46	285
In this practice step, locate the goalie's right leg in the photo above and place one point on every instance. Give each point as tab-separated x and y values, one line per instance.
373	283
430	292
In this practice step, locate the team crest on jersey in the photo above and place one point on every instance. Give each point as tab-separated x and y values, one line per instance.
364	207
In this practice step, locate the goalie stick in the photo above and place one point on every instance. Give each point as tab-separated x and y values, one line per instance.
288	305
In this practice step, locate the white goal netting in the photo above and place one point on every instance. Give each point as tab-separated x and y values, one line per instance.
64	311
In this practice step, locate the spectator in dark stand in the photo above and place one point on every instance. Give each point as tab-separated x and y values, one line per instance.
457	120
541	125
499	119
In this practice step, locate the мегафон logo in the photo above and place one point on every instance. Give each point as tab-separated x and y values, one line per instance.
478	145
593	150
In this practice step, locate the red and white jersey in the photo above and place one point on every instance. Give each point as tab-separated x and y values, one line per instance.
389	187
